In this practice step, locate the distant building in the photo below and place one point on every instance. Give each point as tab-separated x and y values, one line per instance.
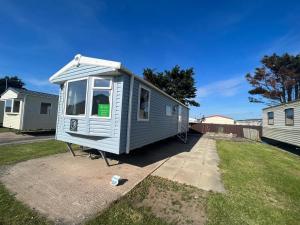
249	122
218	119
193	120
29	110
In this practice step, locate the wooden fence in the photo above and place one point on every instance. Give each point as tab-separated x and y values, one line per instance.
243	131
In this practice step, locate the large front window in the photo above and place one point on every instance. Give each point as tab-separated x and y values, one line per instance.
102	89
76	97
144	104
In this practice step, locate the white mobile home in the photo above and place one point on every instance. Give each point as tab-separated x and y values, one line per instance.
282	123
104	106
29	110
218	119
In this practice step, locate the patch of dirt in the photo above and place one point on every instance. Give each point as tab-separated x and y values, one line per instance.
175	203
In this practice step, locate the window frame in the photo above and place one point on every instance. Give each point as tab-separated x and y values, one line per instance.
171	110
12	106
269	118
139	101
47	108
285	116
86	97
110	88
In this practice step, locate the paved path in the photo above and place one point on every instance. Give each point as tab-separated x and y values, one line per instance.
198	168
7	138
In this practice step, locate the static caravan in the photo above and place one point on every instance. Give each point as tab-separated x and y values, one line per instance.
29	110
1	112
102	105
282	123
218	119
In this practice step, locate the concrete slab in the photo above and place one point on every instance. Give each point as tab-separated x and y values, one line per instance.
198	168
70	189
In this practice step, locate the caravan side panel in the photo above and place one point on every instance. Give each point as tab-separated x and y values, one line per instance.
279	131
160	125
32	117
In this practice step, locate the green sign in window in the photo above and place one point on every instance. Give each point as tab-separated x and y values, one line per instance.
103	110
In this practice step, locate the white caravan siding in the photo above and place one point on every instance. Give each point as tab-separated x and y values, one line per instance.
218	120
279	131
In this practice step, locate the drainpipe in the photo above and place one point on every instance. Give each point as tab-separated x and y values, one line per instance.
129	114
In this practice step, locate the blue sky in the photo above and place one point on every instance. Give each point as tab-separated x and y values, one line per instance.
221	40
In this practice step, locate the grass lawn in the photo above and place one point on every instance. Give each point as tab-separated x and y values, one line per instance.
11	210
19	152
4	129
156	201
262	183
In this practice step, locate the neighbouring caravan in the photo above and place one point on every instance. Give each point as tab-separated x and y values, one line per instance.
102	105
1	112
282	123
218	119
26	110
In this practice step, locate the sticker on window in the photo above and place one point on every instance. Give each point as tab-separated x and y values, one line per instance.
103	110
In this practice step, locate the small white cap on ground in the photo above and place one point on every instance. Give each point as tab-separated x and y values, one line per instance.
115	180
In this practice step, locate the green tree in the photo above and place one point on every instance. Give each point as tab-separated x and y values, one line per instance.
277	80
10	81
178	83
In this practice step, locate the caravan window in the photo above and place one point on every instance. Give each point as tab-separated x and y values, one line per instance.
12	106
270	118
16	106
289	117
144	104
8	105
102	92
168	110
45	108
76	97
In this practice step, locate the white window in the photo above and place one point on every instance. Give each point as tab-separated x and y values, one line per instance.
101	97
270	118
143	104
16	106
8	105
45	108
76	97
289	117
12	106
168	110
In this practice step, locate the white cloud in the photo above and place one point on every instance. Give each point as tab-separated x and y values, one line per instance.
225	88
